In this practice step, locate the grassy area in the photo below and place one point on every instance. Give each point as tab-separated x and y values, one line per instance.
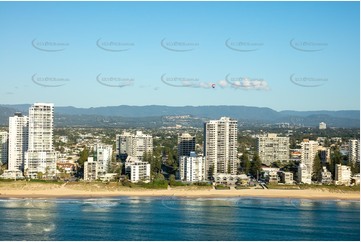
46	181
178	184
202	184
331	188
283	187
8	180
29	185
162	184
241	188
222	187
31	181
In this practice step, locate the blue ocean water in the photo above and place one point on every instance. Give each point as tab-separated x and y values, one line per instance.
170	218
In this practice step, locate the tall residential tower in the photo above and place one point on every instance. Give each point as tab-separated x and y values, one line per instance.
18	141
40	156
354	151
186	144
4	141
220	146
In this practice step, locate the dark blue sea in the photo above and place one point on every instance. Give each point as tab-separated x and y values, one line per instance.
170	218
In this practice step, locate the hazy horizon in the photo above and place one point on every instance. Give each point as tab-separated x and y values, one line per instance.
178	106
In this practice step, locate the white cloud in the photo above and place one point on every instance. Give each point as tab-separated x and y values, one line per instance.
222	83
249	84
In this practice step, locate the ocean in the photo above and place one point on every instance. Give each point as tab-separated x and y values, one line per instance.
171	218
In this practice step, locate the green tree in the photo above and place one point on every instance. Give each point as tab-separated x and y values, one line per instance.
159	177
256	165
245	163
154	161
172	180
317	168
336	158
84	154
355	167
276	164
40	175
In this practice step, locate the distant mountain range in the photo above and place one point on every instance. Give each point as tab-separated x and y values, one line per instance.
128	115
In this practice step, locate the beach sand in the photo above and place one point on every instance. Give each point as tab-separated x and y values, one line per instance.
21	189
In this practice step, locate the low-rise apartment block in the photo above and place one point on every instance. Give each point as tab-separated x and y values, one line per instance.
286	177
342	175
326	176
137	170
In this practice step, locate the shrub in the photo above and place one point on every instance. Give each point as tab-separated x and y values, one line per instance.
222	187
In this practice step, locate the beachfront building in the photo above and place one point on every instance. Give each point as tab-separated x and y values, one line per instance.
192	168
220	146
342	175
137	170
355	180
90	169
15	174
272	148
107	177
309	150
135	145
18	141
103	155
354	151
231	179
326	176
4	141
40	156
66	167
303	174
272	177
286	177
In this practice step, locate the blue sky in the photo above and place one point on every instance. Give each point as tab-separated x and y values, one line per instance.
282	55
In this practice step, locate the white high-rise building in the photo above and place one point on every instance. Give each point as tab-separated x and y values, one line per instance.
272	148
309	150
192	168
40	156
354	151
134	144
220	146
103	154
18	141
4	138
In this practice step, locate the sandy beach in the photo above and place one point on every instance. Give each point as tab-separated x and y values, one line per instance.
22	189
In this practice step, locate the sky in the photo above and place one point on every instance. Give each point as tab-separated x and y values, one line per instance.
282	55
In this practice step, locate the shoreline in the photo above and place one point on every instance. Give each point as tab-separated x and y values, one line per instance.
66	193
